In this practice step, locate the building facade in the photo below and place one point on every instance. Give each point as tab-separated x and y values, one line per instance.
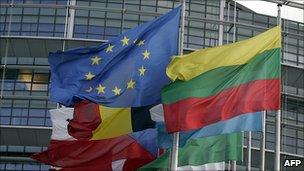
30	29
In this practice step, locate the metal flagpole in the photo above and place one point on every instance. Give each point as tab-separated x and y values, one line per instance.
234	21
248	168
221	27
229	166
182	28
262	142
233	39
175	144
66	25
278	117
7	44
234	165
174	152
228	19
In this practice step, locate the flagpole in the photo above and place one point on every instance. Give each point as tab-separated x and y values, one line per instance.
278	117
262	142
175	144
248	151
182	26
7	44
234	165
174	152
67	30
233	40
221	27
228	19
234	21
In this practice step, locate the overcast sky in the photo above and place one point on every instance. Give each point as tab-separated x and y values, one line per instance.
269	8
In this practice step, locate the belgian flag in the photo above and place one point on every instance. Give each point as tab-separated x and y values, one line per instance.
92	121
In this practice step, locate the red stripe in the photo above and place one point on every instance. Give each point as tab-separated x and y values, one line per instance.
85	120
194	113
97	154
132	165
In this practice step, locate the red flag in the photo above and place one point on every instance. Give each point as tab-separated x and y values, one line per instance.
96	154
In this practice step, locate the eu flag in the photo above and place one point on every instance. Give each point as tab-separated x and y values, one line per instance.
129	70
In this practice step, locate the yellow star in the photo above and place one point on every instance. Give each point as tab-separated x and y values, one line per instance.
131	84
89	90
142	71
116	91
125	41
110	48
89	76
100	89
142	42
95	60
146	54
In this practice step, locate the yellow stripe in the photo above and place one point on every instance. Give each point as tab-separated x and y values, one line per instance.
114	122
188	66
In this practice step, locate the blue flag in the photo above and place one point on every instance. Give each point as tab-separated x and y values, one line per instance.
246	122
129	70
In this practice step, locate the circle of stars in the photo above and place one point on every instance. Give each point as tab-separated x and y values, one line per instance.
96	60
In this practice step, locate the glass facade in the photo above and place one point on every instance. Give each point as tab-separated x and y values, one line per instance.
29	29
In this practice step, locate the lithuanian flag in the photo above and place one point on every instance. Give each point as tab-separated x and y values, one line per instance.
219	83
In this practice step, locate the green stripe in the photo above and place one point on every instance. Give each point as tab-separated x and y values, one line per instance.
263	66
204	150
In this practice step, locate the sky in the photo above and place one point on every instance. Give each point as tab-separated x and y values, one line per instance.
271	9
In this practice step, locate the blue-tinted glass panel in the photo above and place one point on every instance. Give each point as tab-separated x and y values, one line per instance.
8	85
37	112
58	34
2	26
14	33
96	30
20	112
5	111
15	148
32	149
46	34
94	36
63	2
45	167
19	121
46	27
36	121
6	1
48	122
15	26
4	120
21	86
2	166
31	167
112	31
59	27
80	35
29	27
10	166
80	28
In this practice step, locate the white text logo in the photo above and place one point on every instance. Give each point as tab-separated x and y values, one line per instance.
292	163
